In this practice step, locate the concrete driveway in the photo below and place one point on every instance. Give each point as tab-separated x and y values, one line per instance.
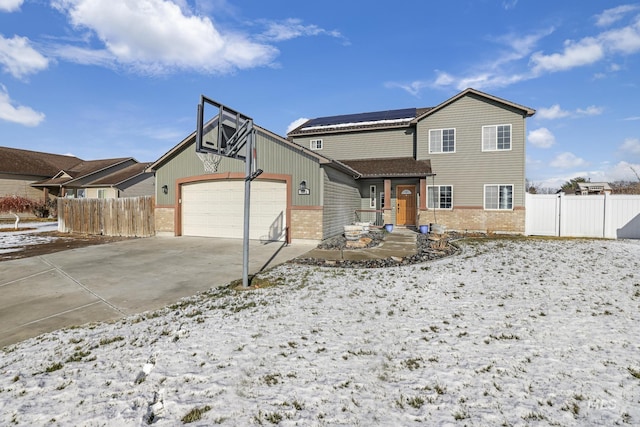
110	281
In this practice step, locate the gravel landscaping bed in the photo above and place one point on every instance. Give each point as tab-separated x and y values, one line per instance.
430	247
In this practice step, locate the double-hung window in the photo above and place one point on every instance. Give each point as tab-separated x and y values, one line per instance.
442	141
498	197
496	138
439	197
315	144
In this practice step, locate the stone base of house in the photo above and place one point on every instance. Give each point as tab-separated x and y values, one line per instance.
165	221
477	219
306	223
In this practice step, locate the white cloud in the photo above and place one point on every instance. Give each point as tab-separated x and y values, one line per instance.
631	145
567	160
293	28
591	110
414	88
553	112
633	118
19	59
296	123
622	40
575	54
10	5
611	16
17	114
157	36
509	4
541	138
622	171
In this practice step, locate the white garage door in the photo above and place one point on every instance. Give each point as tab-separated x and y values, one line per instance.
216	209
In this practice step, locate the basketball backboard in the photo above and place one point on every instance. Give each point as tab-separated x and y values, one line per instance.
221	130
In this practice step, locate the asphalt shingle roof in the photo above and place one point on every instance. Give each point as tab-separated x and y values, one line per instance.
25	162
390	167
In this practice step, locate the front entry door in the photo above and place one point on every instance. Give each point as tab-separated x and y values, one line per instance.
406	199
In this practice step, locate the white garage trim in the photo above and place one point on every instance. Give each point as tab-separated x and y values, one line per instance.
216	209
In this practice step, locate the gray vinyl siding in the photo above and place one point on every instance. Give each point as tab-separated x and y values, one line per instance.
470	168
364	145
273	157
143	185
341	199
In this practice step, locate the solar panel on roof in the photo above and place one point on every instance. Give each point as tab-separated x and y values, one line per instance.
363	117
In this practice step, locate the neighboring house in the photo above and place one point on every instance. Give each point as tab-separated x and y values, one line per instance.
474	143
40	176
460	164
21	168
587	188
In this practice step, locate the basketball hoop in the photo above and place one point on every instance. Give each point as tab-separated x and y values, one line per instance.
210	161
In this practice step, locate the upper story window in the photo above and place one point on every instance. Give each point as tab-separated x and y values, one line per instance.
316	144
439	197
442	141
498	197
496	137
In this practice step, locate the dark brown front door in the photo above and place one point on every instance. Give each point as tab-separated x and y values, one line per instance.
406	200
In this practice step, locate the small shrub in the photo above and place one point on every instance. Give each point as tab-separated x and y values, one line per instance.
195	414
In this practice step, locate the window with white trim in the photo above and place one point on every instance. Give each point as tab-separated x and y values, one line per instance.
382	200
442	141
498	197
439	197
81	193
315	144
102	193
372	196
496	138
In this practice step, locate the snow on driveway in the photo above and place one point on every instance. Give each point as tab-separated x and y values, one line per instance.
509	332
14	241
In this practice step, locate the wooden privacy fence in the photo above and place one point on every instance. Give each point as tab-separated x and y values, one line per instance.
611	217
127	217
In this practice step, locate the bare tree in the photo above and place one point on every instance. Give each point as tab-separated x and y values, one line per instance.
15	205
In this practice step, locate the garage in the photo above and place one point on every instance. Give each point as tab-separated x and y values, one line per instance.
216	209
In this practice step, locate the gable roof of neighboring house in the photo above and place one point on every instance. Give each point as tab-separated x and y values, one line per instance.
82	170
390	167
121	176
390	119
24	162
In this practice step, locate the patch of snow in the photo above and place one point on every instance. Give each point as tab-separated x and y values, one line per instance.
366	123
512	332
13	241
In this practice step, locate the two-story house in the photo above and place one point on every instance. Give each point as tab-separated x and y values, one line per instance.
460	164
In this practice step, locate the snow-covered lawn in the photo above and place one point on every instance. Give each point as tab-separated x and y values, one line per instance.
509	332
27	234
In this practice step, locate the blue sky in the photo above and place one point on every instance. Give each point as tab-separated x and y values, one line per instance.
120	78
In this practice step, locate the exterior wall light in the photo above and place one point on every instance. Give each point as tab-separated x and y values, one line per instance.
165	189
302	189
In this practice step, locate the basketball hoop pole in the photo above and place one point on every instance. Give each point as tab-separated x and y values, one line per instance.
250	175
230	146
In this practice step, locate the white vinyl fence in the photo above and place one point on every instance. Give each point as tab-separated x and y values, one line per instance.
611	217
